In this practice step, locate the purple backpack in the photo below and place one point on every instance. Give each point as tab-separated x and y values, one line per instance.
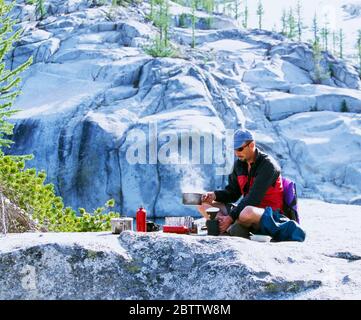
290	199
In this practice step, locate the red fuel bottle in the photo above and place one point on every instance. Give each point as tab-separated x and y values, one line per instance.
141	218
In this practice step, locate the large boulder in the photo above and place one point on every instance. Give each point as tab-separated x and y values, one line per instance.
334	72
279	105
165	266
346	74
58	7
233	56
95	129
303	98
333	99
41	51
308	97
298	54
326	146
276	74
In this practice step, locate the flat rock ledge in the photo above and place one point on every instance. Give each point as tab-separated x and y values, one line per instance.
169	266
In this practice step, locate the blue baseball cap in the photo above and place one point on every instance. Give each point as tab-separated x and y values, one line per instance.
240	137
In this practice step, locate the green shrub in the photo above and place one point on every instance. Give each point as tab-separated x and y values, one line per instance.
314	108
26	188
319	73
159	49
40	9
182	20
344	106
124	3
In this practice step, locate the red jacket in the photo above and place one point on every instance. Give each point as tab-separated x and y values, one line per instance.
261	187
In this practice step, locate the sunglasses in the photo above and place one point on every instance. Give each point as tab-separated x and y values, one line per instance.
240	149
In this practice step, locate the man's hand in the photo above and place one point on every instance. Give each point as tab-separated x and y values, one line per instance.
224	222
208	197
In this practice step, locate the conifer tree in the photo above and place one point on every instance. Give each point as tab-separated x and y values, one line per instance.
335	40
208	5
341	38
194	5
284	22
358	44
322	33
325	32
165	24
315	28
260	12
237	9
151	14
40	9
299	20
319	73
291	24
161	18
245	16
316	49
9	79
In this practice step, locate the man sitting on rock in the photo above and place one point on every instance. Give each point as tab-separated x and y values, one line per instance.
257	177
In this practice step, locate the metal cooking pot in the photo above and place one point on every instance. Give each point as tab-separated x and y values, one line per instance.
192	198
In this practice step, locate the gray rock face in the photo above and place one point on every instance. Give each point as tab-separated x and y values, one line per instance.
340	73
327	169
346	74
275	74
299	55
166	266
182	17
280	106
309	97
332	99
353	9
92	96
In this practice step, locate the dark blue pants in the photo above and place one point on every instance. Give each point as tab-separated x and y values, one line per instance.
279	227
